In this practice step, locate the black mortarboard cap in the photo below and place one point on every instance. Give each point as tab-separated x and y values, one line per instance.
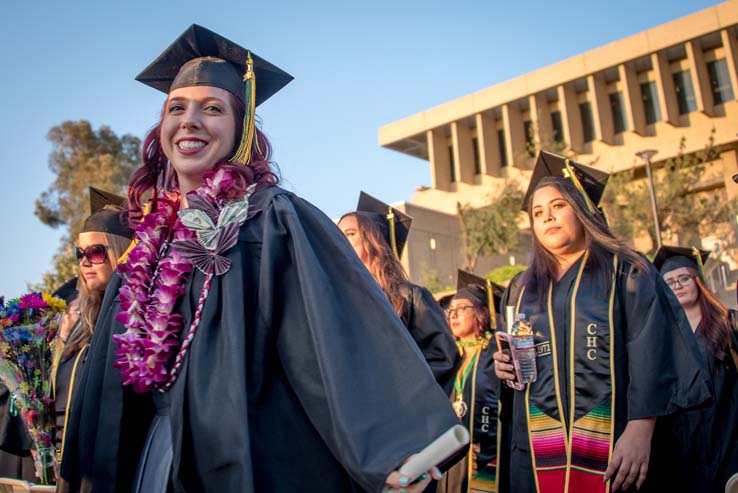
478	289
396	222
105	209
466	284
669	258
200	57
592	181
67	291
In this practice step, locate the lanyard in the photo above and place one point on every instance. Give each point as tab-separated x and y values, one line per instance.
463	375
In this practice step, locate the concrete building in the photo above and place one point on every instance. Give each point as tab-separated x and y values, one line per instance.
647	91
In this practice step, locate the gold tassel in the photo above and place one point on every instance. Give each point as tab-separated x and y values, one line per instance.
122	259
491	307
243	153
569	173
700	265
392	234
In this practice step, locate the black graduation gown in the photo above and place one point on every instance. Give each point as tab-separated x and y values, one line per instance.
656	364
300	378
15	443
68	377
427	324
481	388
702	445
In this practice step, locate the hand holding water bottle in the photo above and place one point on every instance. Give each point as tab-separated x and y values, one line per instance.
515	362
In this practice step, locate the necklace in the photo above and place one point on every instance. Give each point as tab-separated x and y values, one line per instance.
461	407
480	341
169	244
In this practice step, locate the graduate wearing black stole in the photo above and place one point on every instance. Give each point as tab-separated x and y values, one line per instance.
701	446
614	351
243	347
472	317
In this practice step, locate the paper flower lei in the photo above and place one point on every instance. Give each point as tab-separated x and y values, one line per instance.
154	277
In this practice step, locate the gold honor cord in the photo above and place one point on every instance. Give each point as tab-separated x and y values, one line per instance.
68	405
392	231
243	153
698	259
569	173
491	307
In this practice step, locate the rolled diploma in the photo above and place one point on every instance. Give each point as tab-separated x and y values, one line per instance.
439	450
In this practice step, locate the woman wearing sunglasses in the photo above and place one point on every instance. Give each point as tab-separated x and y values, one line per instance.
707	437
101	242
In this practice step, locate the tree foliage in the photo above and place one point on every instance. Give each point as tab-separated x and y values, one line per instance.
81	157
492	229
686	203
503	275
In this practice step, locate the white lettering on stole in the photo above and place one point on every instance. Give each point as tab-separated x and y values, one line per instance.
485	418
592	342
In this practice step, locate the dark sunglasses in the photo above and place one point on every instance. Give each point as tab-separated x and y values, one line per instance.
95	254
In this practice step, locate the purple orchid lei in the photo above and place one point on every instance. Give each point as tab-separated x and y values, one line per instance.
154	277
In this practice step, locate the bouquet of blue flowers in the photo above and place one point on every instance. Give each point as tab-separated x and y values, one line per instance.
28	328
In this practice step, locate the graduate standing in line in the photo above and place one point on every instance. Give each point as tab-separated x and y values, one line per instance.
103	240
378	233
614	351
705	441
472	318
244	347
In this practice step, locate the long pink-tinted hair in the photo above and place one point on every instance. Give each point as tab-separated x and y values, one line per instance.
155	173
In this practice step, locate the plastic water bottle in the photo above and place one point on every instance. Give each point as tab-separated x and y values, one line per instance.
525	348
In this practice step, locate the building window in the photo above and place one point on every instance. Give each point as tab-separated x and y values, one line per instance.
502	147
722	91
650	102
451	163
585	113
530	144
684	92
618	114
557	126
477	162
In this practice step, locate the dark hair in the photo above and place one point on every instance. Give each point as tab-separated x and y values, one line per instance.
383	264
481	310
155	173
601	242
715	324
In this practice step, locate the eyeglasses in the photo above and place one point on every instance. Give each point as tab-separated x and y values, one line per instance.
458	311
683	280
95	254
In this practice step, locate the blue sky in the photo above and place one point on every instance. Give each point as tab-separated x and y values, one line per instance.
357	66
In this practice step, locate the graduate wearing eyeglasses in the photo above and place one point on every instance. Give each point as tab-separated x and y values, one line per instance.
472	319
705	440
102	241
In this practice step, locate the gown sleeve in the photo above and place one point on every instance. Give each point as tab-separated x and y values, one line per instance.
357	373
429	330
98	454
666	371
14	437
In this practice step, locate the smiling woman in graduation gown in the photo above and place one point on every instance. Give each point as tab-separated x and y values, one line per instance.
300	377
613	349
